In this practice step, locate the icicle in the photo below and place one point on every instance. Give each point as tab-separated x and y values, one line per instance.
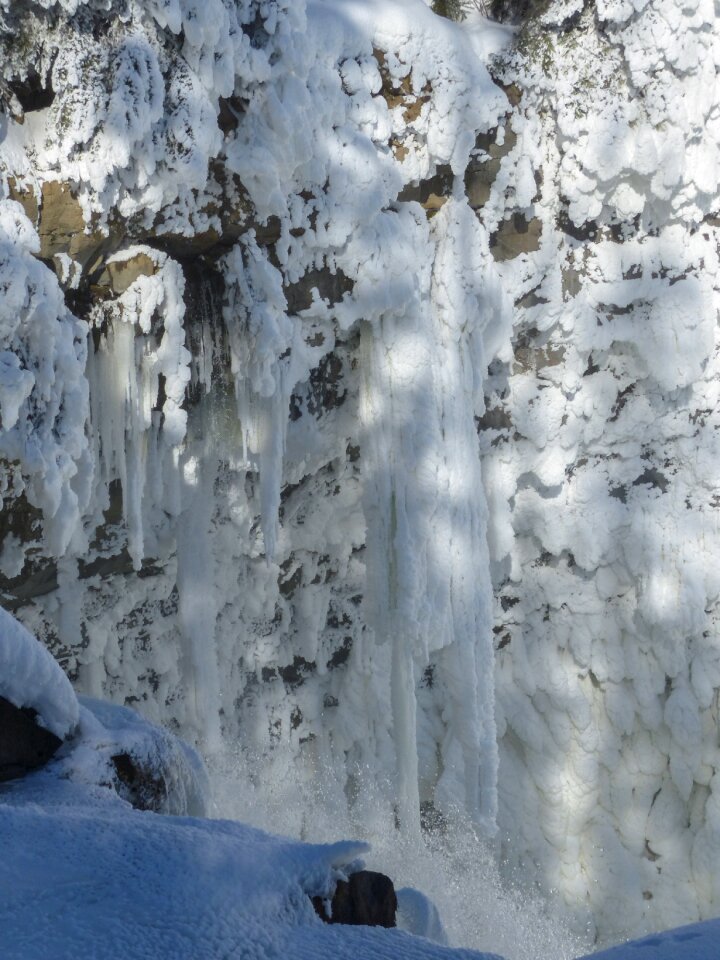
268	357
124	374
196	590
429	592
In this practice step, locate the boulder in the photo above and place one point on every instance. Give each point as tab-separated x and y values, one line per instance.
24	744
366	898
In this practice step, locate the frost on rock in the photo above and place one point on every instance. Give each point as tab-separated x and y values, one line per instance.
43	392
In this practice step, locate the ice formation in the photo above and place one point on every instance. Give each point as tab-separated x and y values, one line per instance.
201	498
258	264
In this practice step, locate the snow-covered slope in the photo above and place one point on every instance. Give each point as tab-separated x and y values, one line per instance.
85	874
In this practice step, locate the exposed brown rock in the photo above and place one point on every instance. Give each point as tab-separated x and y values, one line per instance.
515	236
26	198
137	783
121	274
62	229
432	193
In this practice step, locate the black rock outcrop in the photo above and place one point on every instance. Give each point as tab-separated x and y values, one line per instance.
24	745
366	898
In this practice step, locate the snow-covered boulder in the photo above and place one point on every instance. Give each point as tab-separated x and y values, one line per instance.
38	707
145	765
366	898
30	677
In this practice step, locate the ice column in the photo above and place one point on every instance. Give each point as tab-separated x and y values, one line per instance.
428	585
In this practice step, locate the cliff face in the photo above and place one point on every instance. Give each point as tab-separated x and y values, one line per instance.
259	262
600	461
243	484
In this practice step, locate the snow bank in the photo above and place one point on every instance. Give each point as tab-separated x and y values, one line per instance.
696	941
112	881
30	677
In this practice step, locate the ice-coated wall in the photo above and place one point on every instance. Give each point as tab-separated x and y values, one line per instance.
264	520
327	365
600	461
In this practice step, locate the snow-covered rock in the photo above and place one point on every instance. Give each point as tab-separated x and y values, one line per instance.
30	677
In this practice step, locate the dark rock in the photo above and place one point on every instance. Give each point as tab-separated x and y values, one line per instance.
652	478
367	898
34	92
432	193
332	285
137	783
24	746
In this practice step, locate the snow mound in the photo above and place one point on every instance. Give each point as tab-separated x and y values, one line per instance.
30	677
83	871
696	941
162	772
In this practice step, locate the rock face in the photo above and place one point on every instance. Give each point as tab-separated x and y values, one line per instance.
185	424
24	745
365	898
